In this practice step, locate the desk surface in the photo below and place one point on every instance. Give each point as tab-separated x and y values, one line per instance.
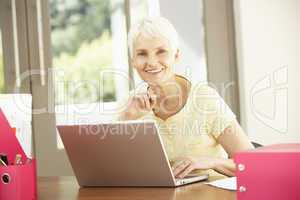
66	188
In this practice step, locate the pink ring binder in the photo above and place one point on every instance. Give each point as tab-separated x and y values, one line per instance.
269	172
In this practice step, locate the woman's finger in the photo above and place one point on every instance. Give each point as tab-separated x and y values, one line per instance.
178	168
153	100
152	96
147	102
186	171
178	162
141	101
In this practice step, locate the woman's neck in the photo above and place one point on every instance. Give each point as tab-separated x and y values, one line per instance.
166	88
170	97
176	86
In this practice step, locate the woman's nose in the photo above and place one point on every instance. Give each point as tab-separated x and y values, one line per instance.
152	61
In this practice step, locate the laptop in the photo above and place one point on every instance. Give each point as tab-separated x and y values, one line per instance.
123	153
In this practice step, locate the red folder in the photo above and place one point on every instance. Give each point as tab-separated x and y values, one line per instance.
269	173
17	182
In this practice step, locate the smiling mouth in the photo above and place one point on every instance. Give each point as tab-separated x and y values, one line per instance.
153	71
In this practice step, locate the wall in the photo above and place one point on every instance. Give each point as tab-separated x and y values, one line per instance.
268	46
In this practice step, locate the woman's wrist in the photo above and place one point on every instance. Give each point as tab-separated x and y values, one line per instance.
224	166
217	163
206	162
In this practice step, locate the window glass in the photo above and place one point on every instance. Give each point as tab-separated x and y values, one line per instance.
82	48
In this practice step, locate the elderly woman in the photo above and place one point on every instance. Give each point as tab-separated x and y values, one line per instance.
198	129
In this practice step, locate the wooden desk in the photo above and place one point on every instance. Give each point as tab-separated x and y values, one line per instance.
66	188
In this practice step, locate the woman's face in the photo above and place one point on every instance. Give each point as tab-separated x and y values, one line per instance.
153	59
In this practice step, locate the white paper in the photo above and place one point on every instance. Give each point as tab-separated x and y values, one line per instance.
226	183
17	110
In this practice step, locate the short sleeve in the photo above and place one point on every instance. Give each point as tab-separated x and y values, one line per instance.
210	105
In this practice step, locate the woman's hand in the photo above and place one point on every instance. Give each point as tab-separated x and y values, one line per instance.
139	105
184	165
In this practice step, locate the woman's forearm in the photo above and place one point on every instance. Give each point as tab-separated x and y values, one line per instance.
225	166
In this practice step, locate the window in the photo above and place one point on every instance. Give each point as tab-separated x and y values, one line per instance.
89	56
89	51
82	47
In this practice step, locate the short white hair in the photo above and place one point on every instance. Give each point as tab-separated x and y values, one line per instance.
153	27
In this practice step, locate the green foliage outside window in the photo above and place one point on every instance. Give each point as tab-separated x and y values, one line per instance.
81	47
82	71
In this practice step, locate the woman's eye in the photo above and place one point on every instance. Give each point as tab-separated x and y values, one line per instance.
161	51
141	54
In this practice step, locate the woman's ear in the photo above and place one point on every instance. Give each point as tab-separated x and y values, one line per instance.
177	55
